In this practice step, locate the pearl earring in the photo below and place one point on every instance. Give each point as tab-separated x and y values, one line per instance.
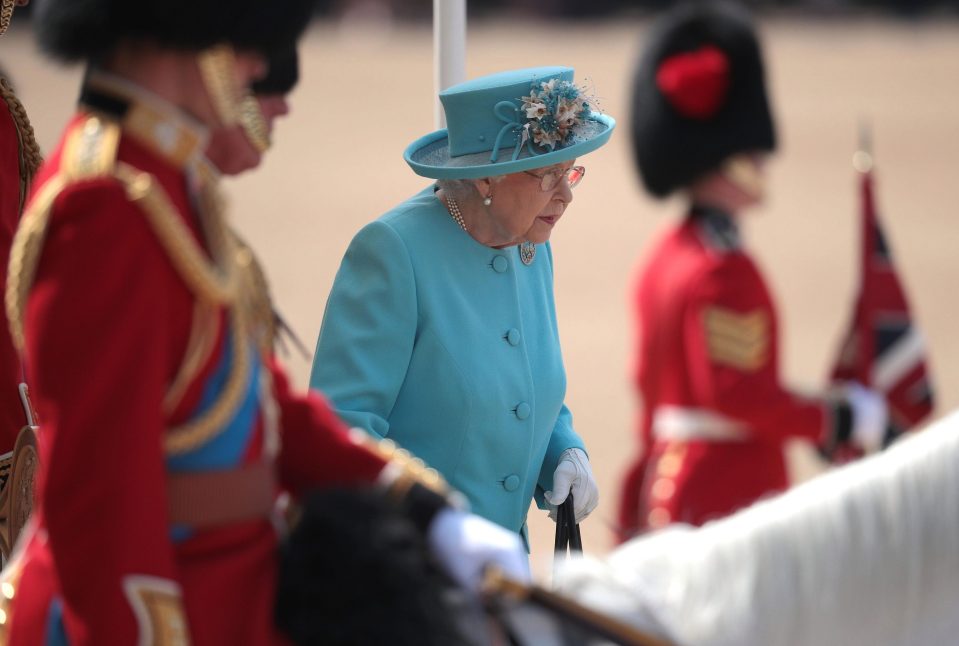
488	200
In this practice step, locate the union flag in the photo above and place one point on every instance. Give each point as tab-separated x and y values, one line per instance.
883	348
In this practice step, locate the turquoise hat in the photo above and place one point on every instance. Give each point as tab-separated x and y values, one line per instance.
510	122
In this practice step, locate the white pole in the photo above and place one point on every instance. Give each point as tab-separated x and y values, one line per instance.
449	49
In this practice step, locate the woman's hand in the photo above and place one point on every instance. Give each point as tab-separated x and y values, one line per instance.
573	475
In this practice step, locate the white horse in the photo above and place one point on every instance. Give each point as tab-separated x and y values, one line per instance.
865	554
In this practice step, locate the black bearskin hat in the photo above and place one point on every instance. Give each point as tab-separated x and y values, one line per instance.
357	572
283	74
699	95
76	30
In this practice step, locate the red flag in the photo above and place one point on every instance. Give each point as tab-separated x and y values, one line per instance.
883	348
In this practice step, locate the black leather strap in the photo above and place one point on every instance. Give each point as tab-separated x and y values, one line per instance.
568	537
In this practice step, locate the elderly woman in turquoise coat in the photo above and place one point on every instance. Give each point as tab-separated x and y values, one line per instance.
440	332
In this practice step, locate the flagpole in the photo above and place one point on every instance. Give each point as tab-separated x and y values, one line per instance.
449	49
862	159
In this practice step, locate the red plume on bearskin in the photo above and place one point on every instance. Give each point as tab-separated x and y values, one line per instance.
883	348
695	83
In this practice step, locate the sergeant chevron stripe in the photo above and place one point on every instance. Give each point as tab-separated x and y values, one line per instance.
740	340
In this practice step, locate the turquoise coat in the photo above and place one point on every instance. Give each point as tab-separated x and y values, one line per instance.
451	349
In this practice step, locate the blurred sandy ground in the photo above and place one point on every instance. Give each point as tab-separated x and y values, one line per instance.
367	92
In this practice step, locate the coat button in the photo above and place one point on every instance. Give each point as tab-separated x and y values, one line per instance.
511	483
500	264
522	410
513	337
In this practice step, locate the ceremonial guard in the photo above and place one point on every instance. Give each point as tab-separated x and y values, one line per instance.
715	413
169	429
19	160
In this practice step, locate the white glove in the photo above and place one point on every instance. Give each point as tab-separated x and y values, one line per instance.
465	544
573	475
870	415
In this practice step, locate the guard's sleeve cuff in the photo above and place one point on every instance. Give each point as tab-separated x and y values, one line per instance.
158	607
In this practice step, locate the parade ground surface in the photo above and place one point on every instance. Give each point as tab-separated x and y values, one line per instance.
366	92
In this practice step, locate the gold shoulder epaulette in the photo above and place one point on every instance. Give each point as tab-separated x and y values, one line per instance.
407	469
90	149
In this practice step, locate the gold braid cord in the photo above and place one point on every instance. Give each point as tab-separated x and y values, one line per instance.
217	283
5	464
204	280
6	15
254	123
30	156
217	67
89	151
25	254
202	342
186	437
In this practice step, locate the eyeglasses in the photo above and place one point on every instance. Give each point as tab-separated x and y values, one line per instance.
550	180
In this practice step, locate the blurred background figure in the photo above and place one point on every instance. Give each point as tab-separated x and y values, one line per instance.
715	413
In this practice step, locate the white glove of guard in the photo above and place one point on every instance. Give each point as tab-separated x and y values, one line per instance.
465	544
573	475
870	416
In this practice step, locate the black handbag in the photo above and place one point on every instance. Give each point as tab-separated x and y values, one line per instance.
568	537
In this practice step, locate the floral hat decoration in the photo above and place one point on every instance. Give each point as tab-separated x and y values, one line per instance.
510	122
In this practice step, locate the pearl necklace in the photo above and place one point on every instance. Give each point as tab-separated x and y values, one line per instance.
527	250
455	213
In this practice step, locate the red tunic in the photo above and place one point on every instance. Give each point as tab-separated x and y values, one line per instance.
12	417
715	413
132	364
